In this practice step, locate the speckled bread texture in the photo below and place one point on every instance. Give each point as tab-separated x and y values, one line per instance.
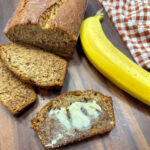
14	94
50	24
44	126
34	66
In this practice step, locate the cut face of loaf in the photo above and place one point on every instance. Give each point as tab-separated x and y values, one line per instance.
14	94
50	24
74	116
34	66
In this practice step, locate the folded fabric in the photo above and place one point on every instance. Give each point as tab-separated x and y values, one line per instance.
132	20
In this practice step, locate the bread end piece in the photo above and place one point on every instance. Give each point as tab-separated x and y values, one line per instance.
50	24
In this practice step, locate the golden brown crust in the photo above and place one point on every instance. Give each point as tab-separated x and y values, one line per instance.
68	18
29	12
93	132
30	81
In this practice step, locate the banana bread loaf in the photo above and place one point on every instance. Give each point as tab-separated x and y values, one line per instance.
15	95
74	116
34	65
50	24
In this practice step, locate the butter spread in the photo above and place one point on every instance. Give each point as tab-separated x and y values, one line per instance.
92	109
61	115
54	141
78	119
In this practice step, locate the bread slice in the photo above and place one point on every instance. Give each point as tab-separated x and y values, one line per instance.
74	116
14	94
34	66
50	24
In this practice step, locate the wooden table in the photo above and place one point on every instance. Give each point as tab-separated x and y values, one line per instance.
132	131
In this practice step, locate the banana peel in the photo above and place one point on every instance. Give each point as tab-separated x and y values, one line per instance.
113	64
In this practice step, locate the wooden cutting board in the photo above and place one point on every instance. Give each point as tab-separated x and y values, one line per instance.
132	131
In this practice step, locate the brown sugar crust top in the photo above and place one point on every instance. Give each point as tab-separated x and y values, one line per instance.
68	16
29	11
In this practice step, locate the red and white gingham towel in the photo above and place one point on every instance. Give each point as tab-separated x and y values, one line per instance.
132	20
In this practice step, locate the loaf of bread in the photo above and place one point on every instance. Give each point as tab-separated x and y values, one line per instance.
14	94
34	66
50	24
74	116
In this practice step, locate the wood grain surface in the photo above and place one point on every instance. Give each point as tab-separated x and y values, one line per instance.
132	131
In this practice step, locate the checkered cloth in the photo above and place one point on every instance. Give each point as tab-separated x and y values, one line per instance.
132	20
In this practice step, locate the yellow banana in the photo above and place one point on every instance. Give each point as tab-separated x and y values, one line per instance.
112	63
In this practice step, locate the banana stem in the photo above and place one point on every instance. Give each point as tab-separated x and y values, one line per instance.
100	14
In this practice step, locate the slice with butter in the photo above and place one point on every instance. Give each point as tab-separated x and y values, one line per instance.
74	116
79	120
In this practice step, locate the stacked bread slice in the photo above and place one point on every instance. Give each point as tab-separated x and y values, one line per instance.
22	65
14	94
34	66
